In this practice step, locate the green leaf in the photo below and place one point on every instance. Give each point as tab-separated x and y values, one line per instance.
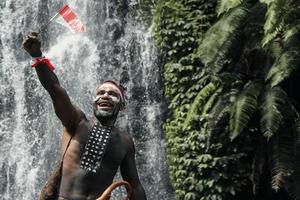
199	101
282	157
275	16
293	30
243	108
225	5
274	99
219	40
287	63
210	103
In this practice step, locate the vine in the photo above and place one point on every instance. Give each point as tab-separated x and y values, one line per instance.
228	64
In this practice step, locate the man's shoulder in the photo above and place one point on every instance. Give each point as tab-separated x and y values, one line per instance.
125	136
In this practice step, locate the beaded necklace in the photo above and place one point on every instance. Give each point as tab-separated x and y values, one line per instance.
95	147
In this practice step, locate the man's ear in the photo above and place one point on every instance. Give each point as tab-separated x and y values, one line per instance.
122	106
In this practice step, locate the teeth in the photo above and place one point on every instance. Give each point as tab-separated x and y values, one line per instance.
104	104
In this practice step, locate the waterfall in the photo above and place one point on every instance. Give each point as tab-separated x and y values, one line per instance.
116	46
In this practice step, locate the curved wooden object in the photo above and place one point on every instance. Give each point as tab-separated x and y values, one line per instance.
113	186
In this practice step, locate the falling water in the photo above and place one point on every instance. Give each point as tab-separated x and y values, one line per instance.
116	46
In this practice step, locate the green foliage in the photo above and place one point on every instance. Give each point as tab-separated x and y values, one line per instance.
199	102
215	48
141	11
274	99
243	108
287	61
281	19
232	107
274	20
283	158
225	5
178	24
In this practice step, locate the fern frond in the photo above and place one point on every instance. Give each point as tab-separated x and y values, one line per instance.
282	159
294	185
268	2
219	127
283	68
215	47
192	92
210	102
292	21
225	5
274	23
259	162
276	49
274	100
286	64
243	108
199	101
295	29
219	114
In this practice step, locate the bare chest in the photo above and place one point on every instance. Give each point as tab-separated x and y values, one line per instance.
114	151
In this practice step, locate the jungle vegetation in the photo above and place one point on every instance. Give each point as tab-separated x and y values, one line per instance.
231	74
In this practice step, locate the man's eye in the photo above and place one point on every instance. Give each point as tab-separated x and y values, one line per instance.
112	94
100	93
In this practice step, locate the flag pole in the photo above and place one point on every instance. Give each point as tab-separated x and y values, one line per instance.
45	25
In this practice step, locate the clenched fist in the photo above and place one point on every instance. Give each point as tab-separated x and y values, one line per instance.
32	44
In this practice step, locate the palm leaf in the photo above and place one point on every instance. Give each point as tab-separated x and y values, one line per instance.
225	5
274	99
199	101
243	108
219	40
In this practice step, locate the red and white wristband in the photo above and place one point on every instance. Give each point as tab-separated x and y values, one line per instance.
41	60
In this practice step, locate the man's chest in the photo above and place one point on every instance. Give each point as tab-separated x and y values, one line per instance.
111	144
115	151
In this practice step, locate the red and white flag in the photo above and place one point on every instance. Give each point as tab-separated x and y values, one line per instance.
68	18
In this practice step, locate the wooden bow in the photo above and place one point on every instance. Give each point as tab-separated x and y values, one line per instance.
113	186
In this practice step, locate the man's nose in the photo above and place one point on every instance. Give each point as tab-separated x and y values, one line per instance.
105	96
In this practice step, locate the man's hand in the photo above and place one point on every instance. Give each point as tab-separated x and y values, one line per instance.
32	44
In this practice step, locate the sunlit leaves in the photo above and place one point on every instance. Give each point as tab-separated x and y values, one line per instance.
199	101
215	46
275	19
283	67
225	5
273	100
213	113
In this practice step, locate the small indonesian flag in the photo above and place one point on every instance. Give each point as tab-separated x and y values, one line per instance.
68	18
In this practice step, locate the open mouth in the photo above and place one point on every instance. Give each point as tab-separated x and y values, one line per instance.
104	105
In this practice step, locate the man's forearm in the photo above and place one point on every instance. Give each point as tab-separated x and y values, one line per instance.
138	193
47	78
64	109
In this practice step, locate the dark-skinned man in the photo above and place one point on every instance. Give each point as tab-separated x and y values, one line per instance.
96	148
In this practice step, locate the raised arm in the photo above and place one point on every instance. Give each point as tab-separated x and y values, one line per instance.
66	112
129	173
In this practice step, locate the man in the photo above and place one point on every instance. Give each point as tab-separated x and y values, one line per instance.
91	160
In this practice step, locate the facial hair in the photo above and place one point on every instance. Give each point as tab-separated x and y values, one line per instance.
106	115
